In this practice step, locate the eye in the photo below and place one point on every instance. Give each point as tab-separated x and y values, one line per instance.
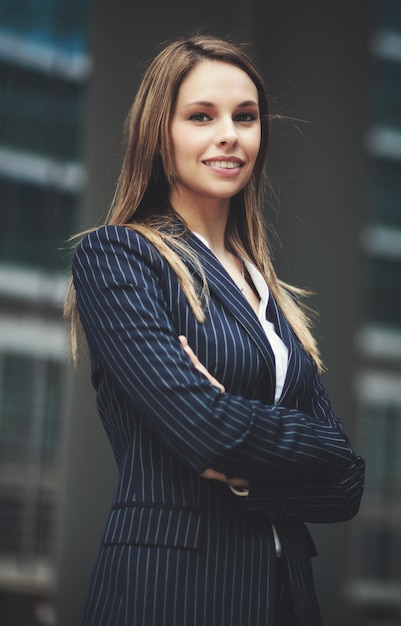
245	117
199	117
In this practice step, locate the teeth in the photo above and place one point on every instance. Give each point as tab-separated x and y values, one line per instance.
225	164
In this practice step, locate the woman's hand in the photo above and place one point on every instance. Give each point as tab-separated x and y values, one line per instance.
211	474
198	365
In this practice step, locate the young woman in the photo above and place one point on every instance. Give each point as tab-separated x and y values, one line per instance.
206	372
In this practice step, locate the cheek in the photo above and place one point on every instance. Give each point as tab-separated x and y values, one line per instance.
183	147
254	146
257	140
177	140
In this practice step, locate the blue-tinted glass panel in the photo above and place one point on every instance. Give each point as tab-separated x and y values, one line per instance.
16	408
41	114
389	14
11	514
27	523
43	524
52	413
384	301
36	224
385	199
51	22
387	94
378	555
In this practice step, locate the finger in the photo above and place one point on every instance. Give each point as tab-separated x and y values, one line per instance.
188	350
201	368
198	365
211	474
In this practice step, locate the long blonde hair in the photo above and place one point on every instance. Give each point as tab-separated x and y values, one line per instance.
141	200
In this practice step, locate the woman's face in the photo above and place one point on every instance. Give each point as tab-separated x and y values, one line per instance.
215	133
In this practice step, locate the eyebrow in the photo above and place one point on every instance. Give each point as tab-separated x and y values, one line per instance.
205	103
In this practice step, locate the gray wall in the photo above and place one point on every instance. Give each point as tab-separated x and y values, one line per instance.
315	58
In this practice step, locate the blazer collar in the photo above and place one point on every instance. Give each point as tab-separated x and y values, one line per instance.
224	288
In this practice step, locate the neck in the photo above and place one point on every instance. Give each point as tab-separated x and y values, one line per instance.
208	219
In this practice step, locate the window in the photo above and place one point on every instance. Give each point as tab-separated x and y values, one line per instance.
36	225
31	401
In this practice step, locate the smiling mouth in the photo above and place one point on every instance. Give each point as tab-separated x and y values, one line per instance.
229	165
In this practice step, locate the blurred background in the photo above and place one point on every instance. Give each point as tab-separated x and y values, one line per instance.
69	70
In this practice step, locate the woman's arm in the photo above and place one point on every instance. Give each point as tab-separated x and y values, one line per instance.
308	503
209	473
311	503
120	283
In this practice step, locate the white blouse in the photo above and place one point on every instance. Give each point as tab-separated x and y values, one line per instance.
278	346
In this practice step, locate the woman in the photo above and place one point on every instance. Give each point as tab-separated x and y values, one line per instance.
207	375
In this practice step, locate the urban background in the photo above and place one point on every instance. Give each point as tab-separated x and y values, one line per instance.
68	72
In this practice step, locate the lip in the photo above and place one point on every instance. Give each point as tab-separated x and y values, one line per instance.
224	159
215	165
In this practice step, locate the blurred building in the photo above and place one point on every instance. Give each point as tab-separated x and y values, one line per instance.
375	584
335	64
43	77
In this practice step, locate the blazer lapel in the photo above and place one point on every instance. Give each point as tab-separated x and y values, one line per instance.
224	288
286	333
221	284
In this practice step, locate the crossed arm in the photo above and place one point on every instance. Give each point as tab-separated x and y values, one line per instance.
119	280
312	503
210	473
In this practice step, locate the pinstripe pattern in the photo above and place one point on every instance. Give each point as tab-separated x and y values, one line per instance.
179	550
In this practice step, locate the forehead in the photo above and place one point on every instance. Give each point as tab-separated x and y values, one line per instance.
216	80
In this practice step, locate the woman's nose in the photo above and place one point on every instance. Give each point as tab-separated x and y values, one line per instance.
226	133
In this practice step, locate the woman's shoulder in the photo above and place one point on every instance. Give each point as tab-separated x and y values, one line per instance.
115	254
113	239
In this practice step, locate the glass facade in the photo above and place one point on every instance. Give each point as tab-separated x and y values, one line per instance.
40	115
43	76
375	586
30	405
35	229
44	73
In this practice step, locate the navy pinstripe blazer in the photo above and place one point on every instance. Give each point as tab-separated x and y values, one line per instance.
179	550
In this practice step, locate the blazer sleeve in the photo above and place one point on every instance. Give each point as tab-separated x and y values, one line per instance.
120	281
312	502
315	501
